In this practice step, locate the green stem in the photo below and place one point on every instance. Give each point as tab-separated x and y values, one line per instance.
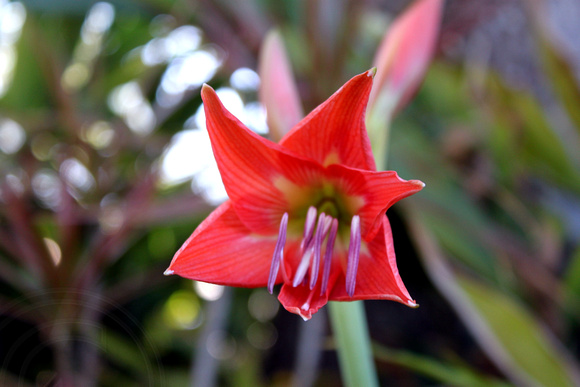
379	129
348	319
382	149
352	339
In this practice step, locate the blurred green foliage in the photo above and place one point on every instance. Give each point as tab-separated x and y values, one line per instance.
494	234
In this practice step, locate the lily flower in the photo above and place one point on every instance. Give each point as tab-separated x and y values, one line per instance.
307	212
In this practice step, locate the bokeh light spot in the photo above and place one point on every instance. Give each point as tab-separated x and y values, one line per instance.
182	310
100	135
46	186
77	175
245	79
128	102
12	136
207	291
262	305
220	346
262	335
53	250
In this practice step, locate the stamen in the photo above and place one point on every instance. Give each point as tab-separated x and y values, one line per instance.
308	228
327	224
353	255
328	255
318	238
278	253
303	266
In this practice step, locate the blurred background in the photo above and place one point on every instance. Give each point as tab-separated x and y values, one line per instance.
106	168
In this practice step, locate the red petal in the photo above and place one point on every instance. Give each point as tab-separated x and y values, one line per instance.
294	299
383	189
378	276
252	167
223	251
377	192
335	132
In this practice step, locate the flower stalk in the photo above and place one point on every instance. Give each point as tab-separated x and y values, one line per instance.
402	61
353	345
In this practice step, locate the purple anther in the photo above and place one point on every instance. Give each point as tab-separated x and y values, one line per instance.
308	228
328	254
353	255
318	238
278	253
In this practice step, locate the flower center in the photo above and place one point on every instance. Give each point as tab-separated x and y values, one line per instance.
328	207
320	225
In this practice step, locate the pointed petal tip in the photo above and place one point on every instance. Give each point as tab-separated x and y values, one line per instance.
205	88
273	33
412	304
305	314
418	183
372	72
168	272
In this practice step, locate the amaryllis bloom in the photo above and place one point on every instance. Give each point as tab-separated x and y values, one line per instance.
308	213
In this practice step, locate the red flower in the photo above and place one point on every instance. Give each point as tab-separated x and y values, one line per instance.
308	212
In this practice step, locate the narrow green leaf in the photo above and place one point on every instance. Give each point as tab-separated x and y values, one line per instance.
450	374
126	353
524	139
518	332
572	284
556	65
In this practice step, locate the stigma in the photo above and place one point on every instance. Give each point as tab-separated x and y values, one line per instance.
314	267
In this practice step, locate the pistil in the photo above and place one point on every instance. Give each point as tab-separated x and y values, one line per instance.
328	255
303	265
353	255
308	227
321	231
